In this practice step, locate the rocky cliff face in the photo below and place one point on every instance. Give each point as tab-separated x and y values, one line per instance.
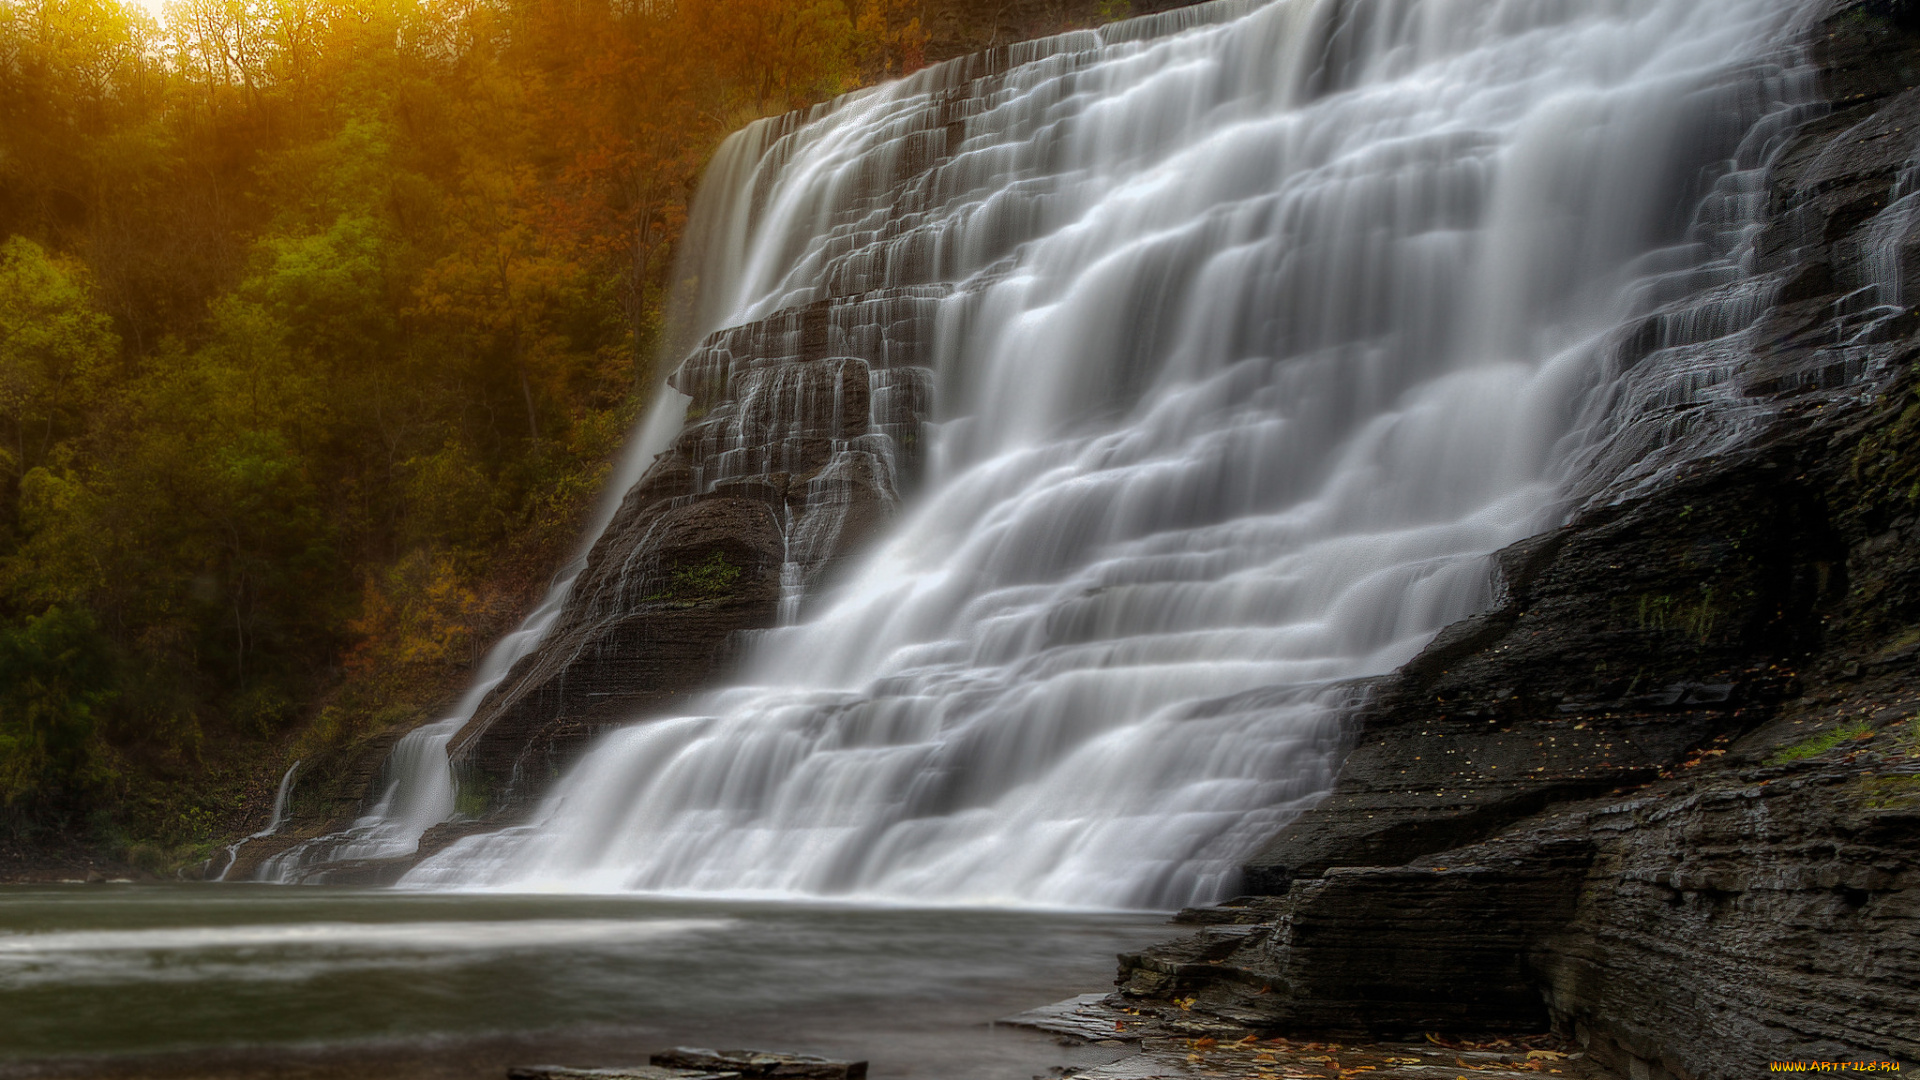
1663	796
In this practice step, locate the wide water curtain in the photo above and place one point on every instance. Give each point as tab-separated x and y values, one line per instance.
1254	329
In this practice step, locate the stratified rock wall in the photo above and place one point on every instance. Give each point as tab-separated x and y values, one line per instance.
1695	928
1764	916
1665	796
801	431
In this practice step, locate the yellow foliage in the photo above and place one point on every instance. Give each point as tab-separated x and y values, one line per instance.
418	611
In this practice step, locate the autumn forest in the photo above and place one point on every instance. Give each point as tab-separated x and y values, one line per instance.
319	321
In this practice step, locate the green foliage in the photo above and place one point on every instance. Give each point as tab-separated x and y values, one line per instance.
318	325
712	576
1899	14
328	289
451	499
55	674
55	351
1895	792
1820	743
1696	617
471	799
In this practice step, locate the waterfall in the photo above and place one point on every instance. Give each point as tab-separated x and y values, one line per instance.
274	821
1254	329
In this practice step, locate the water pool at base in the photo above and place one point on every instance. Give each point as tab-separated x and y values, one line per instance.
206	981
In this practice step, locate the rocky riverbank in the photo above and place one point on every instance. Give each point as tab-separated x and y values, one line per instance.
1134	1044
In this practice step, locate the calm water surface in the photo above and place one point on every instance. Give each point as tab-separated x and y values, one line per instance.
126	980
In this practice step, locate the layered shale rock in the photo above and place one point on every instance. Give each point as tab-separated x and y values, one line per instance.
801	430
1694	928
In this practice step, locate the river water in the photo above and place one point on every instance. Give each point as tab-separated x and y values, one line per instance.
229	981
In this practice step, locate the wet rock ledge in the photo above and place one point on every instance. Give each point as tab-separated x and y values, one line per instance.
1664	799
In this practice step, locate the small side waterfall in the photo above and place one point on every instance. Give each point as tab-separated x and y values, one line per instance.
274	822
1253	329
1886	258
417	788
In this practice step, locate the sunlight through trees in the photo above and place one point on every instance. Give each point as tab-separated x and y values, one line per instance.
319	320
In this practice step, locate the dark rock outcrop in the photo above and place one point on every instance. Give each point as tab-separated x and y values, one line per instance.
1663	796
1623	642
1696	928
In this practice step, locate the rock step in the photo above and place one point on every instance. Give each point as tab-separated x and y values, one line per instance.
623	1073
1087	1016
761	1063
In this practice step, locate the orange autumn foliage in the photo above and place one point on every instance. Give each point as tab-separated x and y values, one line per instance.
328	315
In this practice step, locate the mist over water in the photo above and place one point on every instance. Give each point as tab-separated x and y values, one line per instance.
238	981
1255	329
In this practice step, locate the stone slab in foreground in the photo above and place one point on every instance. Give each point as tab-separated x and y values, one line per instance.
761	1063
623	1073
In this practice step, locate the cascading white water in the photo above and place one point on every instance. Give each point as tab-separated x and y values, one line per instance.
1269	324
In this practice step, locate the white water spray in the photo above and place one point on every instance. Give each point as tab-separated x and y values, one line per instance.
1262	328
